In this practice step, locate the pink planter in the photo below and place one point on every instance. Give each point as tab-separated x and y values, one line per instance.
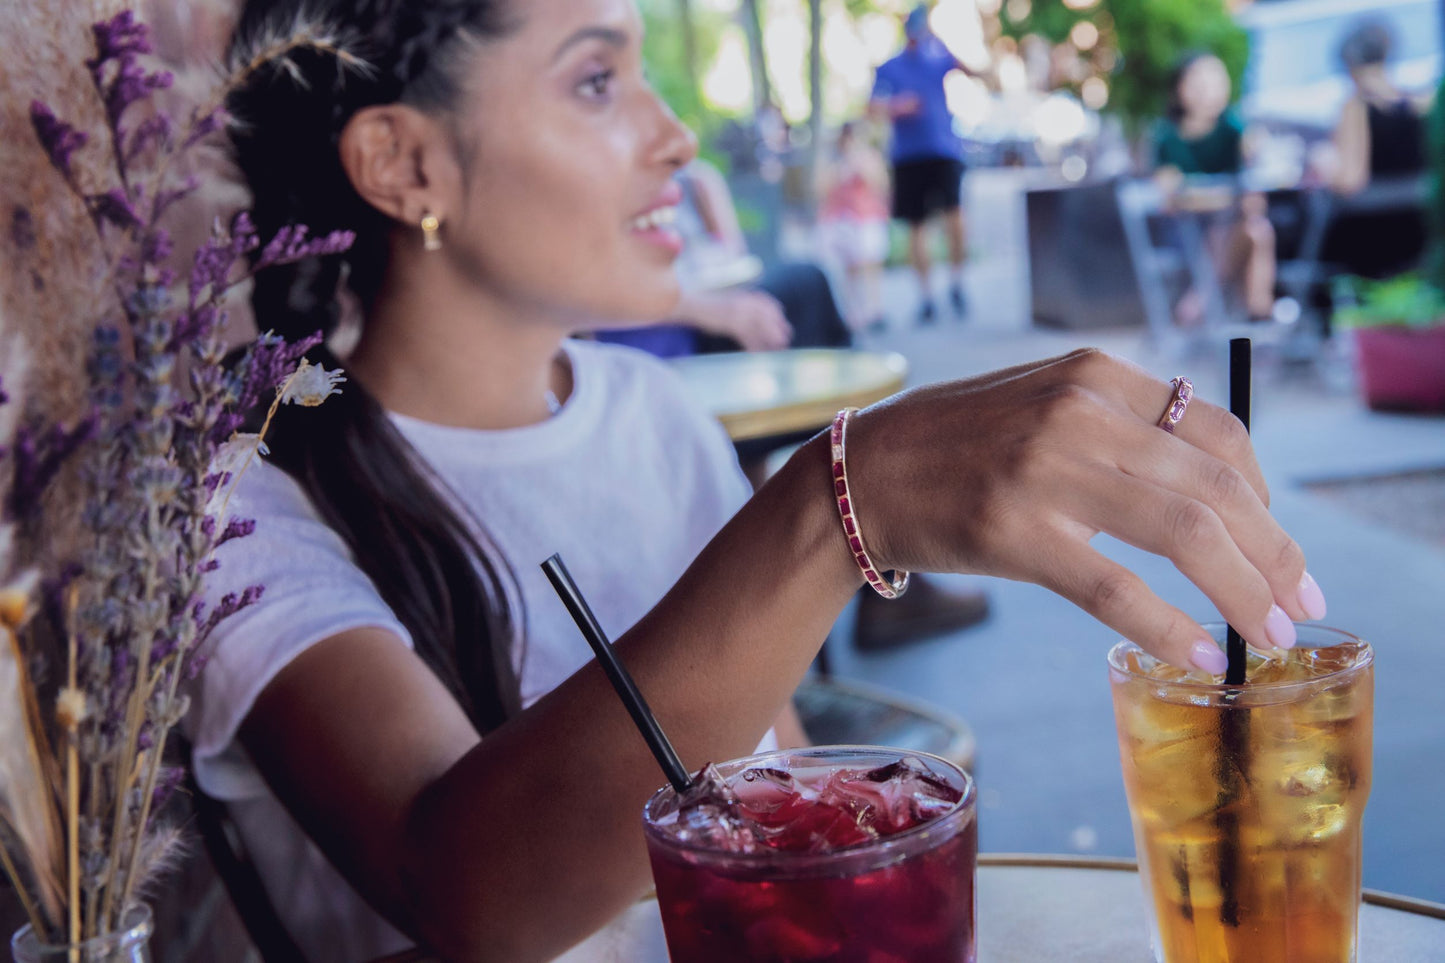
1402	369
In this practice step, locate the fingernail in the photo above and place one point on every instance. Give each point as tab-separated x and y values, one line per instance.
1311	599
1207	656
1279	628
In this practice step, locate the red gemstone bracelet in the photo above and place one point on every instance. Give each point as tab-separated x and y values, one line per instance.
897	583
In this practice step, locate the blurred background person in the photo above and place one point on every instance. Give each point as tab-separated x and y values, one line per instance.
853	223
1201	135
926	153
1380	136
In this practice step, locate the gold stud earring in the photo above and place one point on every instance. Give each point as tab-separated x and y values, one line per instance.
431	236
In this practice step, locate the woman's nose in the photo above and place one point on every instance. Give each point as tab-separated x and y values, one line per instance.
675	144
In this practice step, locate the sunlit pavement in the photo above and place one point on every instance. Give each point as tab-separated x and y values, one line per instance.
1031	680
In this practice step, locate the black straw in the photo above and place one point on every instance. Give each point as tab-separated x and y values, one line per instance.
617	674
1239	383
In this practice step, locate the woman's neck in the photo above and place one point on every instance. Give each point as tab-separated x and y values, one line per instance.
1374	85
1195	126
436	347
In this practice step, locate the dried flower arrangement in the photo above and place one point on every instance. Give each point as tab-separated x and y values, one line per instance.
94	650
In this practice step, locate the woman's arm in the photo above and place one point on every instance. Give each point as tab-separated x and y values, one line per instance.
1352	149
516	846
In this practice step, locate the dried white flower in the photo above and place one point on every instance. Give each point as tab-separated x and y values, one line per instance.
17	597
70	708
310	385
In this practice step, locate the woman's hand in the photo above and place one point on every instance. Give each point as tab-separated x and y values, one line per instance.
1012	474
754	319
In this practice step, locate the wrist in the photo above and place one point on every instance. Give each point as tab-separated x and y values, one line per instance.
806	481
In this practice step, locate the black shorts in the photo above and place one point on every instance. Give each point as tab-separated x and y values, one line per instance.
922	188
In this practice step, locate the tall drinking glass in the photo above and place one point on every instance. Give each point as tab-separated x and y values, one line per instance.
1247	800
836	853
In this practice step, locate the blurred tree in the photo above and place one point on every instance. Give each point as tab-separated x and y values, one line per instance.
1140	41
680	41
757	59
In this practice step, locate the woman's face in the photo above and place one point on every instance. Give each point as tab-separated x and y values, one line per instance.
569	157
1204	89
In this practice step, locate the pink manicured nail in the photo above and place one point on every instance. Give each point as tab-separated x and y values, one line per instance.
1311	599
1279	628
1209	657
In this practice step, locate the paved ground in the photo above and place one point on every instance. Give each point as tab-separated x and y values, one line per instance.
1031	680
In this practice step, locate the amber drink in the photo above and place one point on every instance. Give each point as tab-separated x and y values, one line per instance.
1247	800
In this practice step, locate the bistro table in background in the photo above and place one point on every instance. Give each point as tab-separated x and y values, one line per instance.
775	394
1033	908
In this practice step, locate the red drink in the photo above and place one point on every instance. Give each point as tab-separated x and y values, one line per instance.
840	853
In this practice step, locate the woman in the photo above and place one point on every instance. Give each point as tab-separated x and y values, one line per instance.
853	223
1201	135
1380	136
406	728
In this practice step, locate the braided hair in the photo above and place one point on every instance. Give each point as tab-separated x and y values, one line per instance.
427	562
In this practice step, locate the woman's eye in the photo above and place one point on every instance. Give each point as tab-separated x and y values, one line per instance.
597	84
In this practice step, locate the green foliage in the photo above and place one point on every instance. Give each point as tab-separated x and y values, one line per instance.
1410	300
1148	38
677	81
1435	206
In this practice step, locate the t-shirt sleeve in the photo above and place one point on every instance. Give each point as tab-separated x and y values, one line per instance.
311	590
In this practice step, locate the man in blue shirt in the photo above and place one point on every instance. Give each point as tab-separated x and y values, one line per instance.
926	154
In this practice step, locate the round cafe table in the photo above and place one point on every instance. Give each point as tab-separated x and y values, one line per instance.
1033	908
773	394
1060	908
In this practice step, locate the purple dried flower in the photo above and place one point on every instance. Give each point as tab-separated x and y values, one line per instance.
204	126
37	457
168	780
229	605
291	244
115	207
165	646
156	246
121	36
59	139
237	528
154	130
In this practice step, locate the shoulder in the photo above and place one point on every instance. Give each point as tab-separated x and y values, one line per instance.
643	395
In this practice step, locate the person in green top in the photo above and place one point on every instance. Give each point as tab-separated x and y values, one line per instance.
1201	135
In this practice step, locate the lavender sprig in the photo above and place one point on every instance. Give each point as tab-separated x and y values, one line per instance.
164	406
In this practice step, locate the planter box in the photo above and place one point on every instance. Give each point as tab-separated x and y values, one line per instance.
1402	369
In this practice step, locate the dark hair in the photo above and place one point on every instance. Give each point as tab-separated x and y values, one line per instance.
1174	106
427	561
1368	43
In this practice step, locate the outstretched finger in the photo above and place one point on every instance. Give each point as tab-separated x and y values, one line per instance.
1191	535
1117	597
1219	485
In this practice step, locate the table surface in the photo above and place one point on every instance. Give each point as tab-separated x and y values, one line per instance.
768	393
1035	908
1091	910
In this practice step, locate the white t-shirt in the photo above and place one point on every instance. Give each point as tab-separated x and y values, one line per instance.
629	480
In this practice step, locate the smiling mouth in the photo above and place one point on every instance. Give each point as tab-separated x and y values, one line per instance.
657	217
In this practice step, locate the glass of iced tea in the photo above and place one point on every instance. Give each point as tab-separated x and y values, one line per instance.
849	854
1247	800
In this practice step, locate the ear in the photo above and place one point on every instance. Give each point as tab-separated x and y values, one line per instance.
400	162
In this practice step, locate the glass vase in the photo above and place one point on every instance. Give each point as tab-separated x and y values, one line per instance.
129	943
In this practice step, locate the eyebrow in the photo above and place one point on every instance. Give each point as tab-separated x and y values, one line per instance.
608	35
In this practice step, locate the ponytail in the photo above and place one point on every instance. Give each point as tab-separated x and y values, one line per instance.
430	564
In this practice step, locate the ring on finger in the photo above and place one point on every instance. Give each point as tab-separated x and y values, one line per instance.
1178	404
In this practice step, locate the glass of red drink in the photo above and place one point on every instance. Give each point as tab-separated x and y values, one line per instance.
850	854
